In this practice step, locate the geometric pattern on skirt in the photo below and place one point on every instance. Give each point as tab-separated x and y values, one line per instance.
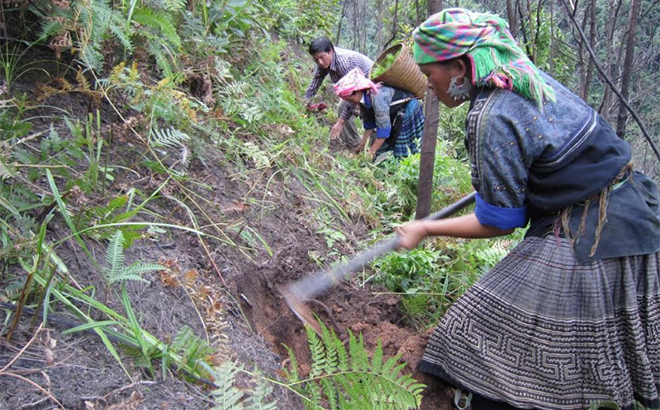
541	330
411	130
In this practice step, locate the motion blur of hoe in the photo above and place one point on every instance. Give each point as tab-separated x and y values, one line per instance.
329	205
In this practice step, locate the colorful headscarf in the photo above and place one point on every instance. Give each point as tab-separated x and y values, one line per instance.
354	81
496	58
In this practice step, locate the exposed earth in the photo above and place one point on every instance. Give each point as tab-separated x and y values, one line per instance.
227	294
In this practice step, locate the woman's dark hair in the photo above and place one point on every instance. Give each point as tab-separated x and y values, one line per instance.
321	44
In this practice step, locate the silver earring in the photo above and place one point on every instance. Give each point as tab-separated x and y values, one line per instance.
459	91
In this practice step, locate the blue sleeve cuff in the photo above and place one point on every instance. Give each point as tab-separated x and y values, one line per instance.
383	132
502	218
368	125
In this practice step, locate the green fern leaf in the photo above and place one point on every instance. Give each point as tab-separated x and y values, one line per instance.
115	258
50	28
170	137
331	393
291	373
140	268
119	33
359	355
90	56
259	395
226	396
355	382
377	358
342	355
157	50
159	21
318	352
181	339
175	5
5	171
331	357
124	277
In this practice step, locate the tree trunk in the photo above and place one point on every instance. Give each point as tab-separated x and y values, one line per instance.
365	19
524	31
592	41
355	24
379	24
627	67
427	155
532	55
552	37
582	54
394	23
341	18
610	29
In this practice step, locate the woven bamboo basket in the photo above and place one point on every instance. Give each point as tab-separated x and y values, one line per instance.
403	73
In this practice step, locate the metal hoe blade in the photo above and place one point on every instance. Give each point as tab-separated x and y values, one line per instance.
300	309
296	293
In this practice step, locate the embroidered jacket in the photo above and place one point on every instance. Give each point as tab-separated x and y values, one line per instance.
530	164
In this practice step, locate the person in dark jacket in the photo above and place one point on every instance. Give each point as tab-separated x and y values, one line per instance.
571	317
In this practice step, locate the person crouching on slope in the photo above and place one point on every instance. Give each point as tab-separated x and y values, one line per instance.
337	62
393	117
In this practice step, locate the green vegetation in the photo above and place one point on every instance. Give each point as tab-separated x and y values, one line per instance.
112	139
349	379
383	65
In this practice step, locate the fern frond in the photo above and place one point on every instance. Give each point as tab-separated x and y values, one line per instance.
140	268
359	355
318	352
181	339
50	28
235	90
170	137
259	395
331	358
119	33
175	5
106	19
124	276
291	373
83	83
115	257
342	355
5	171
159	21
90	57
226	396
190	347
355	381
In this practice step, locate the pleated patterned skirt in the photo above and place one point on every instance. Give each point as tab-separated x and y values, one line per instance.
411	131
542	331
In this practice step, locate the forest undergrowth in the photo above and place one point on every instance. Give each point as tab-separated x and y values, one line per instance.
160	179
138	192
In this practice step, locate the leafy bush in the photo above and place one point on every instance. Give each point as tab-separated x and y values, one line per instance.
305	20
433	276
411	271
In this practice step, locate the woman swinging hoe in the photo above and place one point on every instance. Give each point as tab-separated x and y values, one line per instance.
571	317
393	116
